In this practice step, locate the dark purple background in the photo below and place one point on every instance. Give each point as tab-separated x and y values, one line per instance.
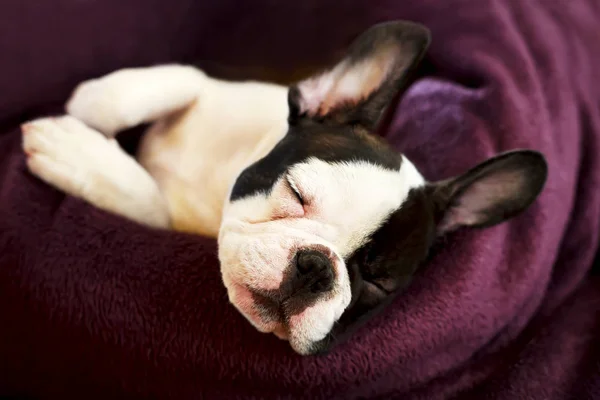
93	306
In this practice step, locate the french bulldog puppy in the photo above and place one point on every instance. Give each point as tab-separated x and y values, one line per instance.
319	222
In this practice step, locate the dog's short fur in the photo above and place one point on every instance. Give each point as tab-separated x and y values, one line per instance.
318	221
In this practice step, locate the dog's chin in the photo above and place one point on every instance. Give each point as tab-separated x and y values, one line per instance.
303	329
314	323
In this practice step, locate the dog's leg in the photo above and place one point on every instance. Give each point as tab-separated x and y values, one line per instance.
129	97
80	161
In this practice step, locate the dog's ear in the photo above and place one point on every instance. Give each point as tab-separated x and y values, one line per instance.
489	193
358	88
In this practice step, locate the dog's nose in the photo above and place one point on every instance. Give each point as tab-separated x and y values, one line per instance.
314	271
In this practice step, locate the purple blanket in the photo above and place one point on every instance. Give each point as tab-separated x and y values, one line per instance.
93	306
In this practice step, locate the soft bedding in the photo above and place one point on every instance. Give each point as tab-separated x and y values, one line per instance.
95	306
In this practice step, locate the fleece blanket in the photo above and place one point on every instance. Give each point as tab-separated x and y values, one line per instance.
93	306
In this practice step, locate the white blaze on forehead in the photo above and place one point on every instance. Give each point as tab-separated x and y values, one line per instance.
353	197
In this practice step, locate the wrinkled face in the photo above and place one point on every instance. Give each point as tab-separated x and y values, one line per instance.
295	220
327	227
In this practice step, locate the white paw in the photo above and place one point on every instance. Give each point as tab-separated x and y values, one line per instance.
66	154
106	104
80	161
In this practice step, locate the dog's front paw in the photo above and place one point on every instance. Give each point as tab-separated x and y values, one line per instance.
104	104
65	153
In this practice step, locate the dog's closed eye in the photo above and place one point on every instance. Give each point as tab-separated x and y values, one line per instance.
295	190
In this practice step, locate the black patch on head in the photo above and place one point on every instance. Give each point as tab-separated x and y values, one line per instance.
385	265
395	250
309	139
342	131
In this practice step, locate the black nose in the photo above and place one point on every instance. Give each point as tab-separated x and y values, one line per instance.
314	271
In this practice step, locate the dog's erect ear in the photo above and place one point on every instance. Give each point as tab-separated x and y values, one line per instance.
491	192
358	88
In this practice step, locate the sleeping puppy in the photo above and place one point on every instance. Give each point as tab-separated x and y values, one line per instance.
319	222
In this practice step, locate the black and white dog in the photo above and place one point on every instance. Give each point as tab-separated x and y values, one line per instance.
318	220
